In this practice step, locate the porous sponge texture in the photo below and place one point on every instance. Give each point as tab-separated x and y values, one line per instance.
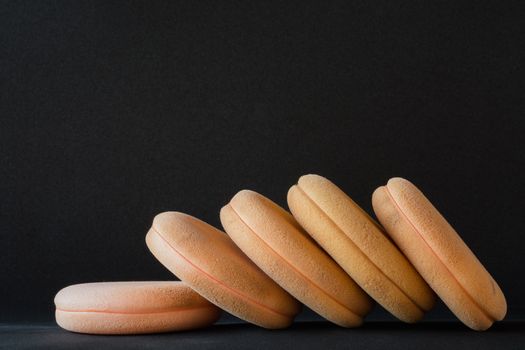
132	308
439	254
208	260
272	238
359	245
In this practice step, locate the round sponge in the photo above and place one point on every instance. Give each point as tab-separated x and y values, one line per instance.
358	244
208	260
132	308
439	254
271	237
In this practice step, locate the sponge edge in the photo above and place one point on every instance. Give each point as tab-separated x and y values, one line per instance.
439	254
208	260
132	308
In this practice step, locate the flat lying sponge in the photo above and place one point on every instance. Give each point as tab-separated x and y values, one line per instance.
132	308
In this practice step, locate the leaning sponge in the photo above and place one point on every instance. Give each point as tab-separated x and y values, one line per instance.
439	254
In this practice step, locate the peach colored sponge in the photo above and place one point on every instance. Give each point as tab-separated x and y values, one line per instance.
132	308
359	245
271	237
208	260
439	254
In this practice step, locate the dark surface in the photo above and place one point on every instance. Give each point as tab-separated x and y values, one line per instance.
304	335
111	112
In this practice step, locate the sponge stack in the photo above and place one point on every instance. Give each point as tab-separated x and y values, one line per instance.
327	254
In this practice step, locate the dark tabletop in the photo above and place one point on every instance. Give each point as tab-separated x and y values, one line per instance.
309	335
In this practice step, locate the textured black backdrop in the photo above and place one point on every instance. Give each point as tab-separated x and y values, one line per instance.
111	112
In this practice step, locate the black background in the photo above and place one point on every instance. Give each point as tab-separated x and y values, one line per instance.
111	112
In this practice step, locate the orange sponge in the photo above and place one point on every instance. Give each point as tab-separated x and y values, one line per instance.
439	254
